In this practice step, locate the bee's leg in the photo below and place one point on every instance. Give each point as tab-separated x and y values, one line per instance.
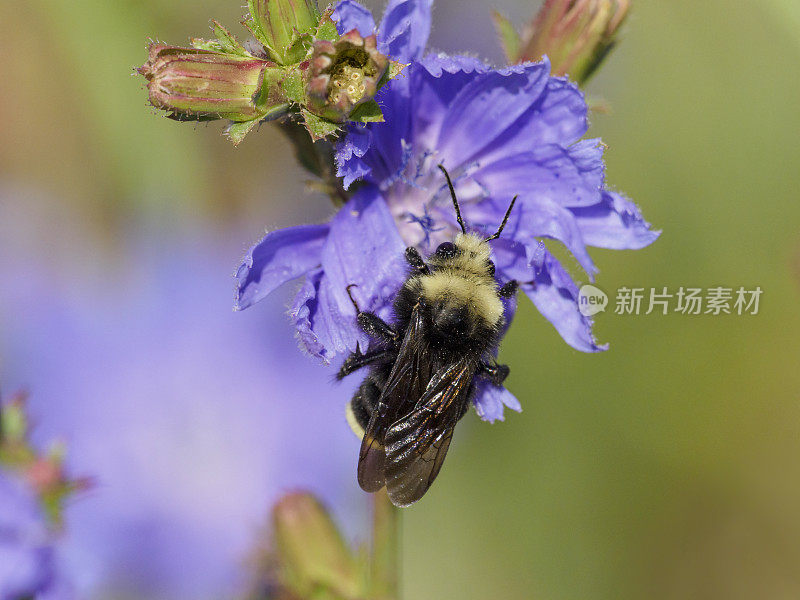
358	360
494	373
415	260
371	323
508	289
361	407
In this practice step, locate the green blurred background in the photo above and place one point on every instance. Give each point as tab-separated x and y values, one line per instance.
664	468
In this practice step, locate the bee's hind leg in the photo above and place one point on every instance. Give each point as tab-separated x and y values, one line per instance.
494	373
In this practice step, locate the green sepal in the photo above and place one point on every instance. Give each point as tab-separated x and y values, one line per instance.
236	132
293	85
209	45
509	38
368	112
393	70
326	30
318	128
227	42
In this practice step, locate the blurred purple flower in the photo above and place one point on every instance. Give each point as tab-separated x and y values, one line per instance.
27	556
500	132
191	420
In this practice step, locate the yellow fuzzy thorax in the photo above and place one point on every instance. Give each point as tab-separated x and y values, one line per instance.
465	280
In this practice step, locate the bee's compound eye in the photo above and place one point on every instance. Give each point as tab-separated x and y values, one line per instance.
446	250
490	268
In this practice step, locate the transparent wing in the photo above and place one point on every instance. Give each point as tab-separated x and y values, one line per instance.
416	445
404	387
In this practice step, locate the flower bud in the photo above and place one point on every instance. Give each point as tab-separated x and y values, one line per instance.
281	25
343	75
43	471
312	555
576	35
196	84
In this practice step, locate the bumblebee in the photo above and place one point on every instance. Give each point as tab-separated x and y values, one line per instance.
423	368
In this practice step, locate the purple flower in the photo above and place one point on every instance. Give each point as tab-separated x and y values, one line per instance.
27	556
190	420
501	133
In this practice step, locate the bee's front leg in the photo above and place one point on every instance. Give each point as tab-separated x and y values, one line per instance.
376	327
371	323
494	373
415	260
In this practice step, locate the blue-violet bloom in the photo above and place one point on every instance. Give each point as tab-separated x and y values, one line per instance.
500	132
27	556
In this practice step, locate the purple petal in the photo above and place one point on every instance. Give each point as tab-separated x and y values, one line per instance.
559	116
363	249
26	556
405	28
351	15
535	218
281	256
616	223
349	154
554	294
435	85
322	330
490	399
569	176
387	153
486	107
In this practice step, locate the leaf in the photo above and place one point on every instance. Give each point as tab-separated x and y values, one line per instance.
369	112
509	38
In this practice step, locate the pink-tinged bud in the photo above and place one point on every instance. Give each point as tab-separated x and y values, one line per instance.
576	35
203	84
343	75
313	558
44	472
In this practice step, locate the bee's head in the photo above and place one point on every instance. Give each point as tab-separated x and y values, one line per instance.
468	253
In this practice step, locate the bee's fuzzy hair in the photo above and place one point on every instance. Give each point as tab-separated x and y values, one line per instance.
466	278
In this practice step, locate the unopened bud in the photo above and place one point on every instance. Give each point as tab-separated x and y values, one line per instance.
312	555
281	26
205	84
576	35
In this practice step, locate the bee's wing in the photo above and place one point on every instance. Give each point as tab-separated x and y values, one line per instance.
417	444
404	387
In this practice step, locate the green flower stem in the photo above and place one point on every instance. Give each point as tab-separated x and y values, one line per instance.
385	564
316	157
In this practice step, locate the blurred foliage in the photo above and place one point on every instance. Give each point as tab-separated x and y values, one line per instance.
664	468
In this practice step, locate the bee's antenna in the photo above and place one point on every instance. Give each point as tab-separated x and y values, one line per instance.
455	200
503	224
